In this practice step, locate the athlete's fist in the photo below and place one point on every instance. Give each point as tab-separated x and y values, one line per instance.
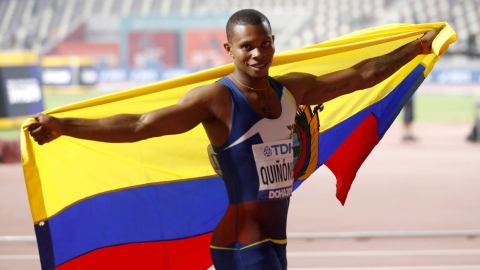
46	130
428	38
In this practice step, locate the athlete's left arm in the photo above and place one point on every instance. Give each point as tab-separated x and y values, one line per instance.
311	90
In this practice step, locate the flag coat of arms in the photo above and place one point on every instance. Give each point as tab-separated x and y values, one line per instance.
154	204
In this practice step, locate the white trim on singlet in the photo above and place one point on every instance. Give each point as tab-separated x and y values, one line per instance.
273	129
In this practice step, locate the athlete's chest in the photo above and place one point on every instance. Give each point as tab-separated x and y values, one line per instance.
268	106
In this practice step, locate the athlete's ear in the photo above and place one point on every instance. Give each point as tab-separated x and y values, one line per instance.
273	43
228	48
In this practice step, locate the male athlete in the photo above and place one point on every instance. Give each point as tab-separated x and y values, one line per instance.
247	116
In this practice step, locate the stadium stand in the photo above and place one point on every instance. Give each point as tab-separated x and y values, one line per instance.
40	24
463	16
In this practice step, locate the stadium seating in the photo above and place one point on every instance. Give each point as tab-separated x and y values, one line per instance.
40	24
463	16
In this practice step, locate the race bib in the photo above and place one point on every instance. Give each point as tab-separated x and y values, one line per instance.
274	162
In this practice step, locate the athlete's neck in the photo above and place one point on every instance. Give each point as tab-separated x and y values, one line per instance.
248	82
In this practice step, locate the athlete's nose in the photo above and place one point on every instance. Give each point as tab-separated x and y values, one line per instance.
257	53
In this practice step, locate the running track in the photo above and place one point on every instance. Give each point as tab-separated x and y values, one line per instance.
430	185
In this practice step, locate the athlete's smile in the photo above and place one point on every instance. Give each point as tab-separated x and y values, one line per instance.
260	66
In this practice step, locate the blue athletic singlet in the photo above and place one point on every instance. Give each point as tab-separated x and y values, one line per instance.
256	164
256	161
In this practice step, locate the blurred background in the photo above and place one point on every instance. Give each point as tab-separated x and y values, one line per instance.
416	201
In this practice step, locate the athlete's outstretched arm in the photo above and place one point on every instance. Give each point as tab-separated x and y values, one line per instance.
317	90
191	110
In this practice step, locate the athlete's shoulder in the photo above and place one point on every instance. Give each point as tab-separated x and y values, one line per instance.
209	90
276	83
297	83
295	80
210	95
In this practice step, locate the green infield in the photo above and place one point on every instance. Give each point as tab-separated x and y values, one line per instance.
427	108
58	100
450	109
10	133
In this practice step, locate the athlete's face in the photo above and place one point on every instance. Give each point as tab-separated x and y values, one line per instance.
252	49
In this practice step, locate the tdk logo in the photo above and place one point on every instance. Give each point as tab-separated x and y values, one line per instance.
280	149
267	151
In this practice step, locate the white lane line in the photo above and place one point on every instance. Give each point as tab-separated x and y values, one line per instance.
19	257
321	235
383	253
449	267
312	235
18	238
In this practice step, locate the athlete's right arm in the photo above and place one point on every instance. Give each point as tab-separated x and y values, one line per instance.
191	110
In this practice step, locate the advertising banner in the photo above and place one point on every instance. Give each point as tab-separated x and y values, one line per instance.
204	48
155	48
88	76
61	71
57	76
454	76
20	91
134	27
140	74
105	54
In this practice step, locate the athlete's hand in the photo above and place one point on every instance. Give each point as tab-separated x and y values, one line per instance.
428	38
46	130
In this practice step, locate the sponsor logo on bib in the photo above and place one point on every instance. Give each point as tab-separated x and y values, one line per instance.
267	152
275	168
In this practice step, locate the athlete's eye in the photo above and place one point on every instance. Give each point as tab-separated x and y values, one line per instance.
246	47
266	43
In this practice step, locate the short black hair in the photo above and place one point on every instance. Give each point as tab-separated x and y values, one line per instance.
245	17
